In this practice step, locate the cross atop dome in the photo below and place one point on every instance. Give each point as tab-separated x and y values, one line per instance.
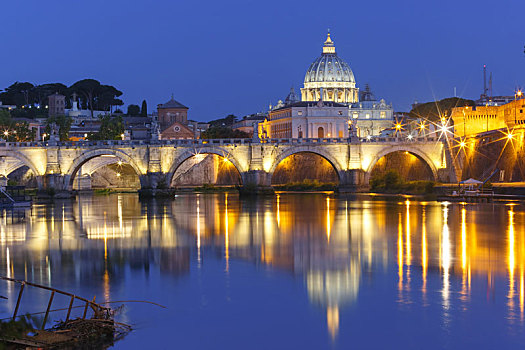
328	46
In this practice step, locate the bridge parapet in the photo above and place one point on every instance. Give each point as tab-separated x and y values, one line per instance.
188	142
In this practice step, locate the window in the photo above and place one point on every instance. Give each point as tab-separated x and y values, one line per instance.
383	114
340	112
300	113
355	115
367	116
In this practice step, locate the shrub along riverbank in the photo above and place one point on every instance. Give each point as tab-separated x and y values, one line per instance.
307	185
391	182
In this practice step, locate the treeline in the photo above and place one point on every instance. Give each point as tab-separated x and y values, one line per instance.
222	129
91	95
433	111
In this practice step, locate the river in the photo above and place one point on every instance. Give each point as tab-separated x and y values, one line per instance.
310	271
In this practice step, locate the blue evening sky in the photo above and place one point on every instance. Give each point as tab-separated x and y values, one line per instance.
221	57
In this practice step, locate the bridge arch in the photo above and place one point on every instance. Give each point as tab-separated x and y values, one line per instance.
85	157
22	161
203	150
307	149
401	148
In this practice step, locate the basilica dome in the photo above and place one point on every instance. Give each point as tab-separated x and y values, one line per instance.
329	67
329	78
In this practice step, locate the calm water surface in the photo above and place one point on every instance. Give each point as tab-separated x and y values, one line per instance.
312	271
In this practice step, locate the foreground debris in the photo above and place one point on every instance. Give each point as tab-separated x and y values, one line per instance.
99	331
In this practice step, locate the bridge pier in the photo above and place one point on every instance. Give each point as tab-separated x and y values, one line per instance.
256	182
352	180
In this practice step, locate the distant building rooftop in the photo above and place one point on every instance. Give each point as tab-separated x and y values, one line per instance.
172	104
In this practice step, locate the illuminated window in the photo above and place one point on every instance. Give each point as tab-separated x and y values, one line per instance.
300	113
355	115
367	116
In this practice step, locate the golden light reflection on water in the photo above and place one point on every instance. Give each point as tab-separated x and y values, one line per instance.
511	260
226	233
328	240
445	258
400	253
328	219
424	253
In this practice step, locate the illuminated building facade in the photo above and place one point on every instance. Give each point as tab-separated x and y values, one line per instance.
307	120
478	119
371	116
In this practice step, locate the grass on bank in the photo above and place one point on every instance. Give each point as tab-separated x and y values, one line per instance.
307	185
213	188
392	182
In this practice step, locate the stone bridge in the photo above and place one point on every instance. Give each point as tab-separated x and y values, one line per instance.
56	164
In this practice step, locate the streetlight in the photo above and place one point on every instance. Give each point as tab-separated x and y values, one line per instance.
349	131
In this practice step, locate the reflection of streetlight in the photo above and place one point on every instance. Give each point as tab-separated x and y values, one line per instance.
119	163
118	174
44	135
122	136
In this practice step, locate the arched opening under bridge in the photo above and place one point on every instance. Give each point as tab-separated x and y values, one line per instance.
407	166
305	168
104	171
15	171
205	169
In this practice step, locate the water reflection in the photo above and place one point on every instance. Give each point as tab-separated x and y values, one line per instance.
334	244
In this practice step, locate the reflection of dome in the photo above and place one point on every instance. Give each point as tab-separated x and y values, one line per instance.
329	76
333	288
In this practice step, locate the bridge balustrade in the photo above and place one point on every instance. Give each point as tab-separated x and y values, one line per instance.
186	142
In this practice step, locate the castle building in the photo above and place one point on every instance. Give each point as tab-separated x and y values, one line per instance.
470	121
329	78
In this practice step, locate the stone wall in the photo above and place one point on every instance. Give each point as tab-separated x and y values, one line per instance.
206	169
482	156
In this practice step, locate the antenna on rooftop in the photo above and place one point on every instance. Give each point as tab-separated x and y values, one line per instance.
490	85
